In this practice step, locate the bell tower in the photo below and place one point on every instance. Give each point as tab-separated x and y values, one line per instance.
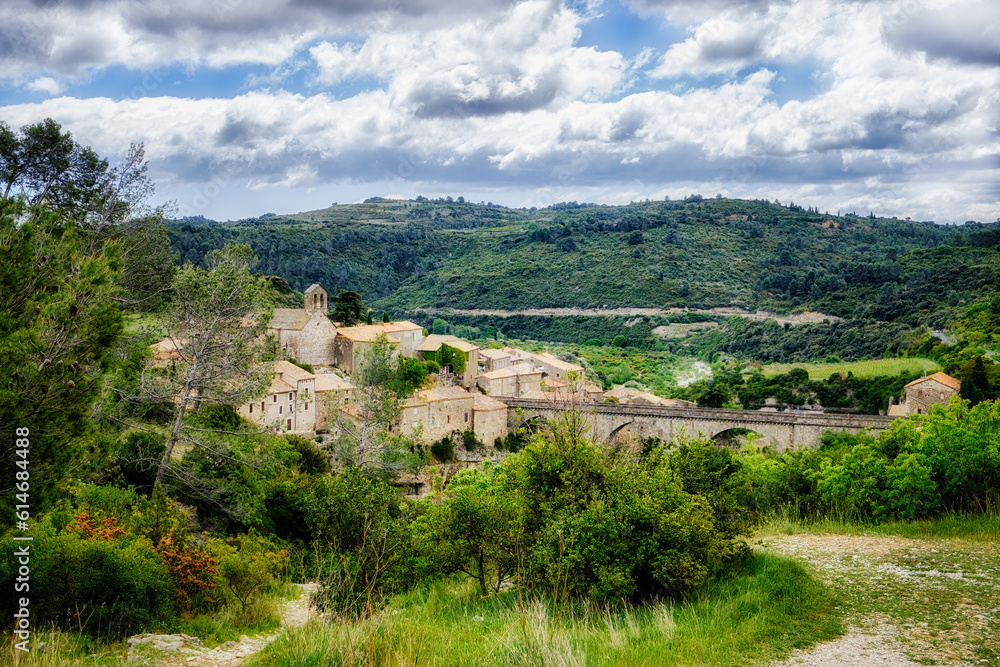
315	299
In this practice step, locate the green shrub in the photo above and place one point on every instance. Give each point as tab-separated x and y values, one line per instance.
444	449
135	460
313	459
107	588
469	441
619	341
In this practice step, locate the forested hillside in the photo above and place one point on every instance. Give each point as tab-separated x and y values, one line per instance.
697	253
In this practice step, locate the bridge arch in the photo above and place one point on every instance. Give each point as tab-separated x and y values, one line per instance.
778	436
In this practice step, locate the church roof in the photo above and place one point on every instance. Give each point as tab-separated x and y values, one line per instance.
943	378
289	318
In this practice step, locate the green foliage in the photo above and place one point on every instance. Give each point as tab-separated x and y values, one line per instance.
363	535
348	308
109	588
456	359
135	459
58	326
619	341
412	373
444	449
313	459
249	565
469	441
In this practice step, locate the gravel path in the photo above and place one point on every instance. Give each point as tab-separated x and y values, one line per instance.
182	650
905	601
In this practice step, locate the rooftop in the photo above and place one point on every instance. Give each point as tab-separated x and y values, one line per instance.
493	354
482	403
943	378
368	332
331	382
289	318
443	394
286	370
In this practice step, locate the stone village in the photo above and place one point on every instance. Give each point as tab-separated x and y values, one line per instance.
472	396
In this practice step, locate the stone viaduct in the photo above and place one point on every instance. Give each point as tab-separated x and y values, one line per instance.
784	430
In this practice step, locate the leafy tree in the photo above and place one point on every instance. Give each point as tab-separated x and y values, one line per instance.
217	321
363	427
58	327
348	308
473	530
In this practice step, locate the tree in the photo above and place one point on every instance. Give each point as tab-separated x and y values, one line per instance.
348	308
217	322
474	529
58	326
364	427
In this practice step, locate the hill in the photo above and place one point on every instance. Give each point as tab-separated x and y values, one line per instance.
697	253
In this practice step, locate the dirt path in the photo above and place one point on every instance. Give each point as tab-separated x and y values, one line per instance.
905	602
760	315
178	650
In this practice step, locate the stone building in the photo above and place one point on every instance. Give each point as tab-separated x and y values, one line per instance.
489	419
494	360
290	402
441	411
553	367
306	334
433	346
332	393
352	341
925	392
512	382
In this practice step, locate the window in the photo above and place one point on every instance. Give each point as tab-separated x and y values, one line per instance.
262	406
291	407
251	408
449	419
274	399
280	410
289	424
466	416
290	396
942	395
306	407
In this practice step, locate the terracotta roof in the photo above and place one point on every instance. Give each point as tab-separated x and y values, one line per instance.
289	371
943	378
499	373
443	394
493	354
279	386
482	403
461	345
433	342
365	333
331	382
555	384
289	318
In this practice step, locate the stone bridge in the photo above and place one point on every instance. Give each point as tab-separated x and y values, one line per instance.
784	430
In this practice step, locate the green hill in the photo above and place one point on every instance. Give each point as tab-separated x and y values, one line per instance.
699	254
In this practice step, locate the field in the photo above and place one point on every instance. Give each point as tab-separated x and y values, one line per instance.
863	369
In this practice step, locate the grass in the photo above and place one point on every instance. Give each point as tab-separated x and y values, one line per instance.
864	369
764	611
972	528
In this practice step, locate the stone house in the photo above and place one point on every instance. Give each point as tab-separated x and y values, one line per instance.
306	334
489	419
553	367
636	397
512	382
290	402
166	351
332	393
433	346
494	360
921	394
352	341
441	412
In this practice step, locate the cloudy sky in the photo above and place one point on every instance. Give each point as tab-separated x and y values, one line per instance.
253	106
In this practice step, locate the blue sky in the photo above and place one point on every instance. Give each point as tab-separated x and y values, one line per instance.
248	107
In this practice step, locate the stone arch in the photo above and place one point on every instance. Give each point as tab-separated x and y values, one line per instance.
779	436
618	429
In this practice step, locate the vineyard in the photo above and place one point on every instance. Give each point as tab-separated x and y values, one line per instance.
861	369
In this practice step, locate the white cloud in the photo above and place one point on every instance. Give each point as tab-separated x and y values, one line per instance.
45	84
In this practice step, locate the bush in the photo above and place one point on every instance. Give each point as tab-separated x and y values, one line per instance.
469	441
444	449
619	341
135	460
313	459
108	588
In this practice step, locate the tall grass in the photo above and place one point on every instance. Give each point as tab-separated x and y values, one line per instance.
763	611
863	369
973	527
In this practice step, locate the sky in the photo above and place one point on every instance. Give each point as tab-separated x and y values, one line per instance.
248	107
